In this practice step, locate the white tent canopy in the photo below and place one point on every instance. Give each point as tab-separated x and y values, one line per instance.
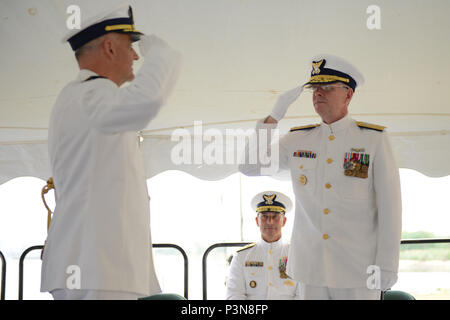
238	56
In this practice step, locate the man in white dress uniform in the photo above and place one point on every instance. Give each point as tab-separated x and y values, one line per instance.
346	236
99	242
258	271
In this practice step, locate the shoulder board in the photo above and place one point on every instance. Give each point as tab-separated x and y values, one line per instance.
94	77
251	245
307	127
370	126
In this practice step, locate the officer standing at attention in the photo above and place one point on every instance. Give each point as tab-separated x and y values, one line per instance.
258	271
99	242
347	187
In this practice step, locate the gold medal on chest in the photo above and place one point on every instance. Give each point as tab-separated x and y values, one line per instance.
282	267
356	164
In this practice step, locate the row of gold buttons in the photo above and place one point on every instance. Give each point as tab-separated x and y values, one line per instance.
328	186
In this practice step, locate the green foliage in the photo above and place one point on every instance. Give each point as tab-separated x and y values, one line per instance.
417	235
423	252
426	254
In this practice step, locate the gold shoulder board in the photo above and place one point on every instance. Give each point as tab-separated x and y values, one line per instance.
309	126
251	245
370	126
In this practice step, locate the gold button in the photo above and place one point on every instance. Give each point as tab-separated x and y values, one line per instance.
270	267
270	284
301	166
331	138
303	179
326	211
327	185
270	251
329	160
325	236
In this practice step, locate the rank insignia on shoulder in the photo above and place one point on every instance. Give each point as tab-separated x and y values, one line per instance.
251	245
307	127
366	125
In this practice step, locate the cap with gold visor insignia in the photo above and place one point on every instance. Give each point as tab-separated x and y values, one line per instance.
327	69
118	20
271	201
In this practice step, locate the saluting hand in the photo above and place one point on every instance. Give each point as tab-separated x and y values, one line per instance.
282	104
148	41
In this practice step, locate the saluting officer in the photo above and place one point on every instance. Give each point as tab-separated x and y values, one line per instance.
347	188
258	271
99	242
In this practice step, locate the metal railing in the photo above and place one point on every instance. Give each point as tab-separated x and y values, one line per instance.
3	277
205	256
423	241
21	260
241	244
155	245
186	263
185	258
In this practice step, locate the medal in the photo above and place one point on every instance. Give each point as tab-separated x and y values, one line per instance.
349	165
283	274
282	268
357	170
356	164
364	172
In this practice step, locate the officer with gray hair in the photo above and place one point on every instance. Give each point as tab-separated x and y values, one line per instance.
99	243
347	187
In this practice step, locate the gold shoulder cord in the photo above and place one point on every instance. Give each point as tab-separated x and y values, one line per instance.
49	186
45	190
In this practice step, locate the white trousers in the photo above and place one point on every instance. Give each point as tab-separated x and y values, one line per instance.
73	294
325	293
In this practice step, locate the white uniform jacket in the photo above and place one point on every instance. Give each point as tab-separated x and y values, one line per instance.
100	232
258	272
343	224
